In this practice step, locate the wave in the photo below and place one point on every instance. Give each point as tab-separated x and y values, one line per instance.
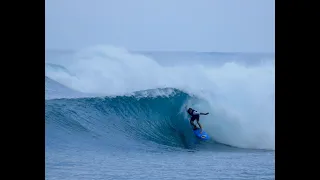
156	116
240	99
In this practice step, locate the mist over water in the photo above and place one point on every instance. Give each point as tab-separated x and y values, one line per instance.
239	98
111	113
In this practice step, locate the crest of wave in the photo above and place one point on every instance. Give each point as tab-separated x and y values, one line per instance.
240	98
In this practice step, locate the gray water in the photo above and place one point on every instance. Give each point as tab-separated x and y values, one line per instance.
164	165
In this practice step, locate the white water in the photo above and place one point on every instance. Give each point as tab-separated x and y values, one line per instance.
240	99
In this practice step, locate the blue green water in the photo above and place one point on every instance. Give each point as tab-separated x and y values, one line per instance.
122	116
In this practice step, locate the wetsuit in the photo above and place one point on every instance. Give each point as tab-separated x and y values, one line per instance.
195	115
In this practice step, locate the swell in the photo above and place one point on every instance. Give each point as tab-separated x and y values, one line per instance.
240	99
137	118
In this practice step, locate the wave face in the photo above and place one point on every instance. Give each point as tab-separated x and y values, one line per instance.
130	120
126	99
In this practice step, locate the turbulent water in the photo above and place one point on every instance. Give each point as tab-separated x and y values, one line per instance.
115	114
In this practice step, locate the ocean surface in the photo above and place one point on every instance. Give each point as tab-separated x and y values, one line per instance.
111	113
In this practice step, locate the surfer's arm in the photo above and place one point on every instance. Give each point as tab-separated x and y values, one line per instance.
204	113
199	113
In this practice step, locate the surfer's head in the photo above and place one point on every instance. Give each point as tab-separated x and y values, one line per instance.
189	110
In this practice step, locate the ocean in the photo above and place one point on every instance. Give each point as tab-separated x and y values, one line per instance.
111	113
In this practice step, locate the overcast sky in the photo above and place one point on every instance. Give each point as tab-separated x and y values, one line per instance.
187	25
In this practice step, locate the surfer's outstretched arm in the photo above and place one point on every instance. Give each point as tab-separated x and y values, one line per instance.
199	113
204	113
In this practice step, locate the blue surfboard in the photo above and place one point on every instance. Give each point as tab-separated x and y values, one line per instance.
202	136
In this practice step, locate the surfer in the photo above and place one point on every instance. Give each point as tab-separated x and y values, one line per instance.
195	115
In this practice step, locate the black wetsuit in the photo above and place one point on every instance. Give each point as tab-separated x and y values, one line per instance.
194	116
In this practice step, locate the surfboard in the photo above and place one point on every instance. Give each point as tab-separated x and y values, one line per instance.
202	136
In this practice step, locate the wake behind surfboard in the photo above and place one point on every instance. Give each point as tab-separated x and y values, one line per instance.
202	136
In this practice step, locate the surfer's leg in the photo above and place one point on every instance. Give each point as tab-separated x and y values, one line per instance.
193	125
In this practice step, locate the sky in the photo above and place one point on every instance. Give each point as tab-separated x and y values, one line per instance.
162	25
